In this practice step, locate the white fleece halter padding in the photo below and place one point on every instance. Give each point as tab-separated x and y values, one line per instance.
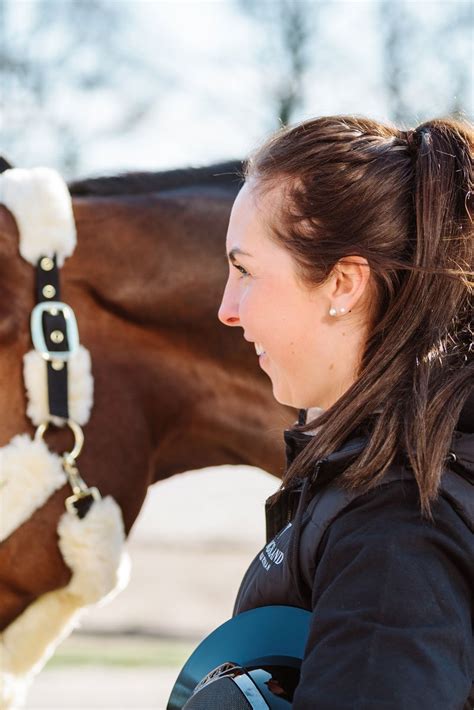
40	202
93	549
29	474
79	381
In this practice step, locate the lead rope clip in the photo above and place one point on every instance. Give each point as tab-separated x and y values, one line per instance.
80	490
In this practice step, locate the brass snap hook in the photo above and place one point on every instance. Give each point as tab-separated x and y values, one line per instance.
80	489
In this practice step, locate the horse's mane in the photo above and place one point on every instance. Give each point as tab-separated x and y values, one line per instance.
226	175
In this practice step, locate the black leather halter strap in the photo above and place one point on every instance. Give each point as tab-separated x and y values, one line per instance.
55	334
51	332
55	337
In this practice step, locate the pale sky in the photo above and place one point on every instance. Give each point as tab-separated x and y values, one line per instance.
218	109
211	78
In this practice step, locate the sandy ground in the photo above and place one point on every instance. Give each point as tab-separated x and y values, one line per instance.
113	688
193	541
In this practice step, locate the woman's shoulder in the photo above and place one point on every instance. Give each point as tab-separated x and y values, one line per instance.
389	589
385	520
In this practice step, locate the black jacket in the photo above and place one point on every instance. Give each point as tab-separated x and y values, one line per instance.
391	594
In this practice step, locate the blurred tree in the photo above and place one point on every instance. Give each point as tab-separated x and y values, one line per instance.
458	53
289	46
397	34
57	56
427	51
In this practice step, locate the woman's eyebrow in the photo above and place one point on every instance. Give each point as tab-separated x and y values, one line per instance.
236	250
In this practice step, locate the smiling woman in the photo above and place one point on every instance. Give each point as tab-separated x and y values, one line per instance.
351	269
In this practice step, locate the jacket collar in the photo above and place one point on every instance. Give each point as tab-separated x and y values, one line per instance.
461	454
334	463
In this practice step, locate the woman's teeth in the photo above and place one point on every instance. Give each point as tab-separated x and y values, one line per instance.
259	349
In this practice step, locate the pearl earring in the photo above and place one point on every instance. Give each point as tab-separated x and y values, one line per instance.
333	311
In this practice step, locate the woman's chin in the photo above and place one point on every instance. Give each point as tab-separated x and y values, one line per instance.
281	395
279	387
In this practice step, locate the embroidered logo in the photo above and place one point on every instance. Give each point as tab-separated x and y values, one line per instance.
271	554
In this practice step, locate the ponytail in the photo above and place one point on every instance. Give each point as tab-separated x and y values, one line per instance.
444	374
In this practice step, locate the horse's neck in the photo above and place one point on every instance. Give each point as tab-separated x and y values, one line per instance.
146	281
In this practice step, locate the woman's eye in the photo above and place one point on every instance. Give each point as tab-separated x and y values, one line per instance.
241	269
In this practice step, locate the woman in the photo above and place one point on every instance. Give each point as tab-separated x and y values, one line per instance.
350	249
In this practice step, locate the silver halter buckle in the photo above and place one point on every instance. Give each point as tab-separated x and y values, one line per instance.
37	332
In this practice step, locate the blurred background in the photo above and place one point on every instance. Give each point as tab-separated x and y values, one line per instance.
95	87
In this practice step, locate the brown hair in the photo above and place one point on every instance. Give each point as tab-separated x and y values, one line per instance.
403	200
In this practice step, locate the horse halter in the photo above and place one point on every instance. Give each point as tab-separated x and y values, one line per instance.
53	325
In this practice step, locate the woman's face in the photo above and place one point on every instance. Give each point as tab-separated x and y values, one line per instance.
309	355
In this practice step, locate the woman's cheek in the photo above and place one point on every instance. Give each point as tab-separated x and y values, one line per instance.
248	304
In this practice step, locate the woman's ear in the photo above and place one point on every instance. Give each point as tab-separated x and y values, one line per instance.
350	280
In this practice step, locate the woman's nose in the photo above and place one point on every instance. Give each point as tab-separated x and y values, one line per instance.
229	309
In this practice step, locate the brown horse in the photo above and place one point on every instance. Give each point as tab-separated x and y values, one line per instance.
175	390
